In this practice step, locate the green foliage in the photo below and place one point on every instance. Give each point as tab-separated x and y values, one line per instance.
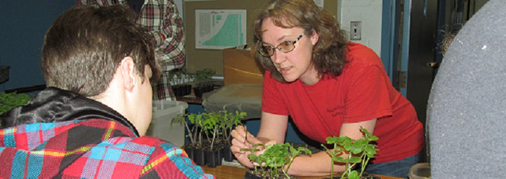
229	121
359	151
9	101
203	75
212	125
276	156
191	125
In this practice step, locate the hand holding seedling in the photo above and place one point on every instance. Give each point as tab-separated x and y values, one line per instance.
242	139
275	157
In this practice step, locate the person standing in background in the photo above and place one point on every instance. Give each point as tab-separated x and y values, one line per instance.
165	25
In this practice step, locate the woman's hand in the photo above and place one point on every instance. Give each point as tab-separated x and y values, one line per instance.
242	139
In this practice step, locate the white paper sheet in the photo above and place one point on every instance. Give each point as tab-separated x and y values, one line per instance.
219	28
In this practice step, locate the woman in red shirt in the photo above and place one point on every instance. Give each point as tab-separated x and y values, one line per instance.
329	87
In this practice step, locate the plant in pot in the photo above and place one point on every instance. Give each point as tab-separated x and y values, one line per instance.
202	81
359	151
217	127
194	133
211	128
275	161
179	80
229	121
206	131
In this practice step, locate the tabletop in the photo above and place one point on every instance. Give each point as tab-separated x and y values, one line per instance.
233	172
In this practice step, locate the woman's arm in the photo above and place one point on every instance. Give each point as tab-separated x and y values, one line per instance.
273	127
319	164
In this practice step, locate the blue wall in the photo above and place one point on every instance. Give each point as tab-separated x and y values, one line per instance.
22	28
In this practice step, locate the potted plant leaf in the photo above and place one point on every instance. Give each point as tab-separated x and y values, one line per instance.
230	120
275	161
202	81
360	151
9	101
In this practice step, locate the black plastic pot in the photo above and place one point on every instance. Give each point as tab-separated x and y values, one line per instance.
198	92
199	156
202	88
181	90
187	89
213	158
190	151
227	154
250	175
178	90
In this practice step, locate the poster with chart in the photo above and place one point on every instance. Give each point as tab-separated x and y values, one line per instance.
219	28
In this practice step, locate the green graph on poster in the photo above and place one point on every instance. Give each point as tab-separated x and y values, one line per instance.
230	33
220	29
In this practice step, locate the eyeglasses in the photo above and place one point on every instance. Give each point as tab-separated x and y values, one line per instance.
285	47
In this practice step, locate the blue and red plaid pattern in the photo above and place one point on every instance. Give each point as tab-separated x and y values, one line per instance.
92	148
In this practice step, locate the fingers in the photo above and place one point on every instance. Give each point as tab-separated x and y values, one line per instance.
240	141
237	145
241	156
240	128
252	139
242	135
238	134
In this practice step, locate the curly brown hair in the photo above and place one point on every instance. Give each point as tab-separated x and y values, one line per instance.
329	53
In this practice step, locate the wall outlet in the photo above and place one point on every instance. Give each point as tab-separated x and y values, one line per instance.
356	30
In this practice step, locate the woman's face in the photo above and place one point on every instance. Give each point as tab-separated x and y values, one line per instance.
295	64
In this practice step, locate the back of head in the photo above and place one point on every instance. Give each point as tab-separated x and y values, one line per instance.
467	105
84	46
329	53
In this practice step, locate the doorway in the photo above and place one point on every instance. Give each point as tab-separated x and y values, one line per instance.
413	34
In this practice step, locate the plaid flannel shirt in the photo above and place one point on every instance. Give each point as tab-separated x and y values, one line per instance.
93	148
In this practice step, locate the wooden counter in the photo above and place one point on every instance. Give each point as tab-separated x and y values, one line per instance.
232	172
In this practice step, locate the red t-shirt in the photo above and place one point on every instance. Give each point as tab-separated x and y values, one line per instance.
362	92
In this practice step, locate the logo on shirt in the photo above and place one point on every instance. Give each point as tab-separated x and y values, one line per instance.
336	111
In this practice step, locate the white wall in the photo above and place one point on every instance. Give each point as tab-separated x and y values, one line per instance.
180	4
369	12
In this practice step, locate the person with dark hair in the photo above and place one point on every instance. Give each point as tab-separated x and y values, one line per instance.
329	87
91	120
165	25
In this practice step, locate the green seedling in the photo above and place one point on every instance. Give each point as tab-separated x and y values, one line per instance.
211	126
9	101
275	157
359	151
